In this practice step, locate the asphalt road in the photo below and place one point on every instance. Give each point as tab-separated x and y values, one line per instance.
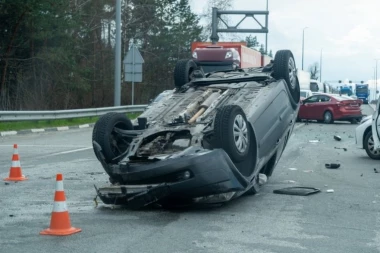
346	220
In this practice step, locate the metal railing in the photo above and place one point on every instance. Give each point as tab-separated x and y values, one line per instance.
66	114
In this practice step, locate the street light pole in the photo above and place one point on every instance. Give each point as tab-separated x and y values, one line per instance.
376	78
117	91
320	66
303	43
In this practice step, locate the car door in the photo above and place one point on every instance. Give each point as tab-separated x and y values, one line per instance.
321	105
376	126
307	108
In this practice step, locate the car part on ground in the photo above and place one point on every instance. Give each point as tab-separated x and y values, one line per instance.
332	165
207	142
337	138
297	190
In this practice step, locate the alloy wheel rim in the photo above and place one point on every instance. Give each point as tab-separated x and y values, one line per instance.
240	133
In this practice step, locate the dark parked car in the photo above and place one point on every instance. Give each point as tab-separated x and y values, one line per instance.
208	141
329	107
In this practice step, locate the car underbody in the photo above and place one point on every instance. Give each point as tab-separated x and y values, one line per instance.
206	142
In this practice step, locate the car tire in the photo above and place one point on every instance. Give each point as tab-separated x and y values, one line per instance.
232	132
284	67
183	71
369	146
328	117
103	133
354	121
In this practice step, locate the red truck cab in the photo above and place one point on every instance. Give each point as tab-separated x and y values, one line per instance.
226	56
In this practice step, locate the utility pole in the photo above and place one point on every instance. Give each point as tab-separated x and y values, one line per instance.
303	43
117	92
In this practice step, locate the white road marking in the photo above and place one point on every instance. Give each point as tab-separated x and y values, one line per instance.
63	128
6	133
69	151
84	126
37	130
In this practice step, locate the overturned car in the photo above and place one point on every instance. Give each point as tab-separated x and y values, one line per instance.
207	142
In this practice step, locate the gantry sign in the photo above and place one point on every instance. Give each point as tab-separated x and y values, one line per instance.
216	14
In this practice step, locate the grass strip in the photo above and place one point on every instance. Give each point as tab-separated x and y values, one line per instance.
22	125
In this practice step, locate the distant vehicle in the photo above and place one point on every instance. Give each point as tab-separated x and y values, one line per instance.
304	79
328	107
316	86
362	92
306	94
345	90
364	138
226	56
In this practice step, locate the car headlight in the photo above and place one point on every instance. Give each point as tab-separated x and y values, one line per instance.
195	55
228	54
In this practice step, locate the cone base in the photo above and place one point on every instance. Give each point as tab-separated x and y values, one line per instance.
59	232
15	178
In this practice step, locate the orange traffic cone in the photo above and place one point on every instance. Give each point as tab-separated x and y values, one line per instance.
60	219
15	173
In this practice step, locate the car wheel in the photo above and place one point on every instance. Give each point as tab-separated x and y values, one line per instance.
369	146
104	134
183	72
354	121
284	67
328	117
232	132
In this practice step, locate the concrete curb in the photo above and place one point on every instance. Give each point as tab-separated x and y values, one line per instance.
42	130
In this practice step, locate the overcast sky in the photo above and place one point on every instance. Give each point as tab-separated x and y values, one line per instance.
348	32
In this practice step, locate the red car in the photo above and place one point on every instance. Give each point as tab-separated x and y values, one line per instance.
329	107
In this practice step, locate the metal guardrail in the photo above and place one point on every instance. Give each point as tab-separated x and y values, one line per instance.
66	114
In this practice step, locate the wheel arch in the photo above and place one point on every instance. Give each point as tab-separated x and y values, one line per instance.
368	129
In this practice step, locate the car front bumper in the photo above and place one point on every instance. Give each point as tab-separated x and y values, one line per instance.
200	174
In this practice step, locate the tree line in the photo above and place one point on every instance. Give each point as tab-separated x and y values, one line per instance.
60	54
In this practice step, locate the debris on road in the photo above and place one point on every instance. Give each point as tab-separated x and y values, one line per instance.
292	168
330	190
361	175
308	171
337	138
290	181
297	190
374	169
345	149
332	165
314	141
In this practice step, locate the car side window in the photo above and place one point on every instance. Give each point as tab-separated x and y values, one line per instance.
324	99
312	99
